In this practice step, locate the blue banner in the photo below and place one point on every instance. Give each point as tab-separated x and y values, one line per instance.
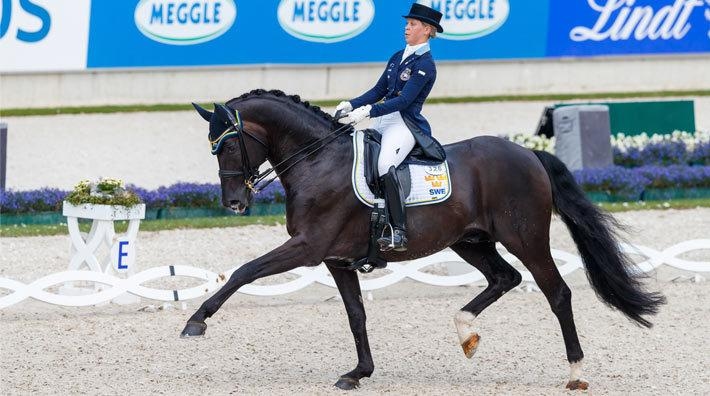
157	33
622	27
190	33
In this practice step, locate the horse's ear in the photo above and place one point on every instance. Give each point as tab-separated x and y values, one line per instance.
204	113
228	114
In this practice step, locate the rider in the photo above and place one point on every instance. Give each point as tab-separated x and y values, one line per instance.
404	85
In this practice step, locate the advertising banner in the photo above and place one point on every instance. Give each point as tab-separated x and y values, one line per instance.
46	35
622	27
43	35
229	32
488	29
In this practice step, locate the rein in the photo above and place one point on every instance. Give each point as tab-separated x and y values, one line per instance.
252	176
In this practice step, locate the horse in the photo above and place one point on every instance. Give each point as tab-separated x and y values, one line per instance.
501	192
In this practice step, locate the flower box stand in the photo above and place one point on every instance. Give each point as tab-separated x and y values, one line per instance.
86	248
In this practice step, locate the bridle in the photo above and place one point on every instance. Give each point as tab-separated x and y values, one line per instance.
252	176
235	130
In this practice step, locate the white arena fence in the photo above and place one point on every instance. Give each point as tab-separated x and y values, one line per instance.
395	272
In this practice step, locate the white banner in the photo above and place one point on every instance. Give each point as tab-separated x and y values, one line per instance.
43	35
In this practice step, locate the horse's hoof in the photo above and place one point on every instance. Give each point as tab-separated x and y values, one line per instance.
193	329
347	383
577	385
470	345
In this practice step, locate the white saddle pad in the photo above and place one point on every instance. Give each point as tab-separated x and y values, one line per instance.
430	184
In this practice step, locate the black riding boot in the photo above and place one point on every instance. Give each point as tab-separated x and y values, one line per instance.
394	199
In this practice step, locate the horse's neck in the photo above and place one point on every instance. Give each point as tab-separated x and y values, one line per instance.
290	142
290	128
307	150
294	136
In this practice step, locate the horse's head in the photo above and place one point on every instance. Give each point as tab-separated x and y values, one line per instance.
238	160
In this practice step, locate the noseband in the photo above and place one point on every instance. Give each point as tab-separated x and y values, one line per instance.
252	176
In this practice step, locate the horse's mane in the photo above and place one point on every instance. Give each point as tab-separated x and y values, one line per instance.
293	98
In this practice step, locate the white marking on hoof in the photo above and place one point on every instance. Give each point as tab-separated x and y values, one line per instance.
464	325
468	338
575	377
575	370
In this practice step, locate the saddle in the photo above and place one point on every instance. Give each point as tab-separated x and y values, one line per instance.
425	180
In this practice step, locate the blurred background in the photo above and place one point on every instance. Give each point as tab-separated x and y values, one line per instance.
500	64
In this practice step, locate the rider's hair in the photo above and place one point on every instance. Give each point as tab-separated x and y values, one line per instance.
432	30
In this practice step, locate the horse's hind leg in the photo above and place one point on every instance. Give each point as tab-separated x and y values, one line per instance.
501	278
537	259
349	287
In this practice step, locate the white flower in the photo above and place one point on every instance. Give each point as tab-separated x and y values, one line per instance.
620	141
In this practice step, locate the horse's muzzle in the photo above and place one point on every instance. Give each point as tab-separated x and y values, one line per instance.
238	206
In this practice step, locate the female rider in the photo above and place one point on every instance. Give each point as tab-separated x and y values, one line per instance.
404	85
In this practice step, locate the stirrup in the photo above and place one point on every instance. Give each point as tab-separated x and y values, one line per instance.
388	243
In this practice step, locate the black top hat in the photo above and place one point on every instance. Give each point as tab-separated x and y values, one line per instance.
425	14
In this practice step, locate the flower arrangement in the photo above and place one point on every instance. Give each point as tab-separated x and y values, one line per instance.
181	194
675	176
177	195
533	142
622	182
105	191
677	148
42	200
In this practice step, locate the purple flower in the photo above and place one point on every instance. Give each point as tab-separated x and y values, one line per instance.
273	193
676	176
666	152
616	180
630	182
42	200
191	194
700	154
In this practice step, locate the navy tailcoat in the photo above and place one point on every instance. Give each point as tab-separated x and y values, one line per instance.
404	87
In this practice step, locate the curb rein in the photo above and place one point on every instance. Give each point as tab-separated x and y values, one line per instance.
252	176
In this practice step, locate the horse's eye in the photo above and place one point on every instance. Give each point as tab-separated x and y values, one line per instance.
231	147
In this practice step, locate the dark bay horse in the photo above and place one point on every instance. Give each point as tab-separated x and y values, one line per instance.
501	192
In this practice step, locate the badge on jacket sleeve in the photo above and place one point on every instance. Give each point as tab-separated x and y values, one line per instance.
405	74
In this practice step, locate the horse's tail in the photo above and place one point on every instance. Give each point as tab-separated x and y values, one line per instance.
593	231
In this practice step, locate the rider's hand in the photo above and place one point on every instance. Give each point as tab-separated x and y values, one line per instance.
344	108
357	115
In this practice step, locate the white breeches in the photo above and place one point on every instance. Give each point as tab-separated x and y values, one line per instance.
397	141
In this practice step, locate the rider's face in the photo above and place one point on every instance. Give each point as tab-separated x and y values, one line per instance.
416	32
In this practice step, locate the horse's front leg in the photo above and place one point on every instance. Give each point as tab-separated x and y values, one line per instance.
349	287
296	252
